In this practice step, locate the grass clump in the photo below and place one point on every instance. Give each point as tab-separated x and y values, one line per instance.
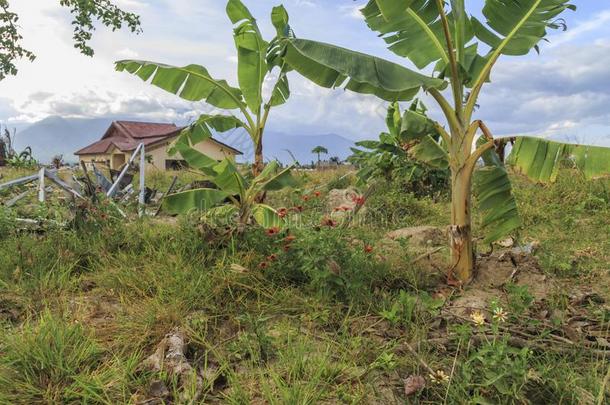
53	361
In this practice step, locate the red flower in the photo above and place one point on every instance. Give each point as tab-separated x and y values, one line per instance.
273	231
305	198
263	265
317	193
368	248
329	222
290	238
298	208
286	248
272	257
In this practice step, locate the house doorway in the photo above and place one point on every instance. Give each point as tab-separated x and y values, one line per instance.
118	160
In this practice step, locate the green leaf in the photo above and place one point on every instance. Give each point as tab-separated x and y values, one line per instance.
515	27
280	179
251	53
200	131
332	66
495	198
266	216
390	8
414	32
229	179
192	82
193	200
430	152
280	19
281	91
194	158
415	126
540	159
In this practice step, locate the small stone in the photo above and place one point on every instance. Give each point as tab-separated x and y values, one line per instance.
414	384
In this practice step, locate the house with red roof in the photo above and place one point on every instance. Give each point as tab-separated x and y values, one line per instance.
123	137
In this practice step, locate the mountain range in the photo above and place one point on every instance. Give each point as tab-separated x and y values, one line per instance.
63	136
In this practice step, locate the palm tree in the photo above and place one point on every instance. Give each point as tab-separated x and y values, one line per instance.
318	150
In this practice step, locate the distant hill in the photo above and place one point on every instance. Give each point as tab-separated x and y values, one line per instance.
58	136
286	148
55	135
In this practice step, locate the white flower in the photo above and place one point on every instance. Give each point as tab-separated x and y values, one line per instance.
500	315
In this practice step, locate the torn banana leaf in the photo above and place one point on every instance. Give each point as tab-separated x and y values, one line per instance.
540	159
495	198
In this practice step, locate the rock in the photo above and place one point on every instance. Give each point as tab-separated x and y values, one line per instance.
158	389
342	197
421	236
414	384
341	202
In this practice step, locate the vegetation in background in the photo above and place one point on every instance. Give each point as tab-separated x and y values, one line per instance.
388	159
318	150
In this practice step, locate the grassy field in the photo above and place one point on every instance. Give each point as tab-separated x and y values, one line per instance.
314	314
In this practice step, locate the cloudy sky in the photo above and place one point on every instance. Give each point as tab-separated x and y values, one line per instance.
566	89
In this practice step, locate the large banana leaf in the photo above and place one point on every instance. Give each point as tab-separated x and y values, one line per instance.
200	199
332	66
281	90
199	131
251	53
517	26
273	177
192	82
540	159
495	198
430	152
229	179
266	216
412	29
419	135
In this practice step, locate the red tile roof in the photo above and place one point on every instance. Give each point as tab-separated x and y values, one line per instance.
146	129
129	134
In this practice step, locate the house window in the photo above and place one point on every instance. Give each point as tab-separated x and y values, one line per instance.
175	164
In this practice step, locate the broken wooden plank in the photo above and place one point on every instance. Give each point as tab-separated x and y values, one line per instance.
169	190
19	181
102	181
41	190
115	186
89	183
61	184
142	197
16	199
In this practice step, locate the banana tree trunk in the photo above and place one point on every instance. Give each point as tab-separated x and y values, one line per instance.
259	165
460	233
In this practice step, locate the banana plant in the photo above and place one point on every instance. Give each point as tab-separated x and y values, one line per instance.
441	37
392	155
235	195
257	59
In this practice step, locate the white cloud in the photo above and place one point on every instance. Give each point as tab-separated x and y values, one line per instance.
567	85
